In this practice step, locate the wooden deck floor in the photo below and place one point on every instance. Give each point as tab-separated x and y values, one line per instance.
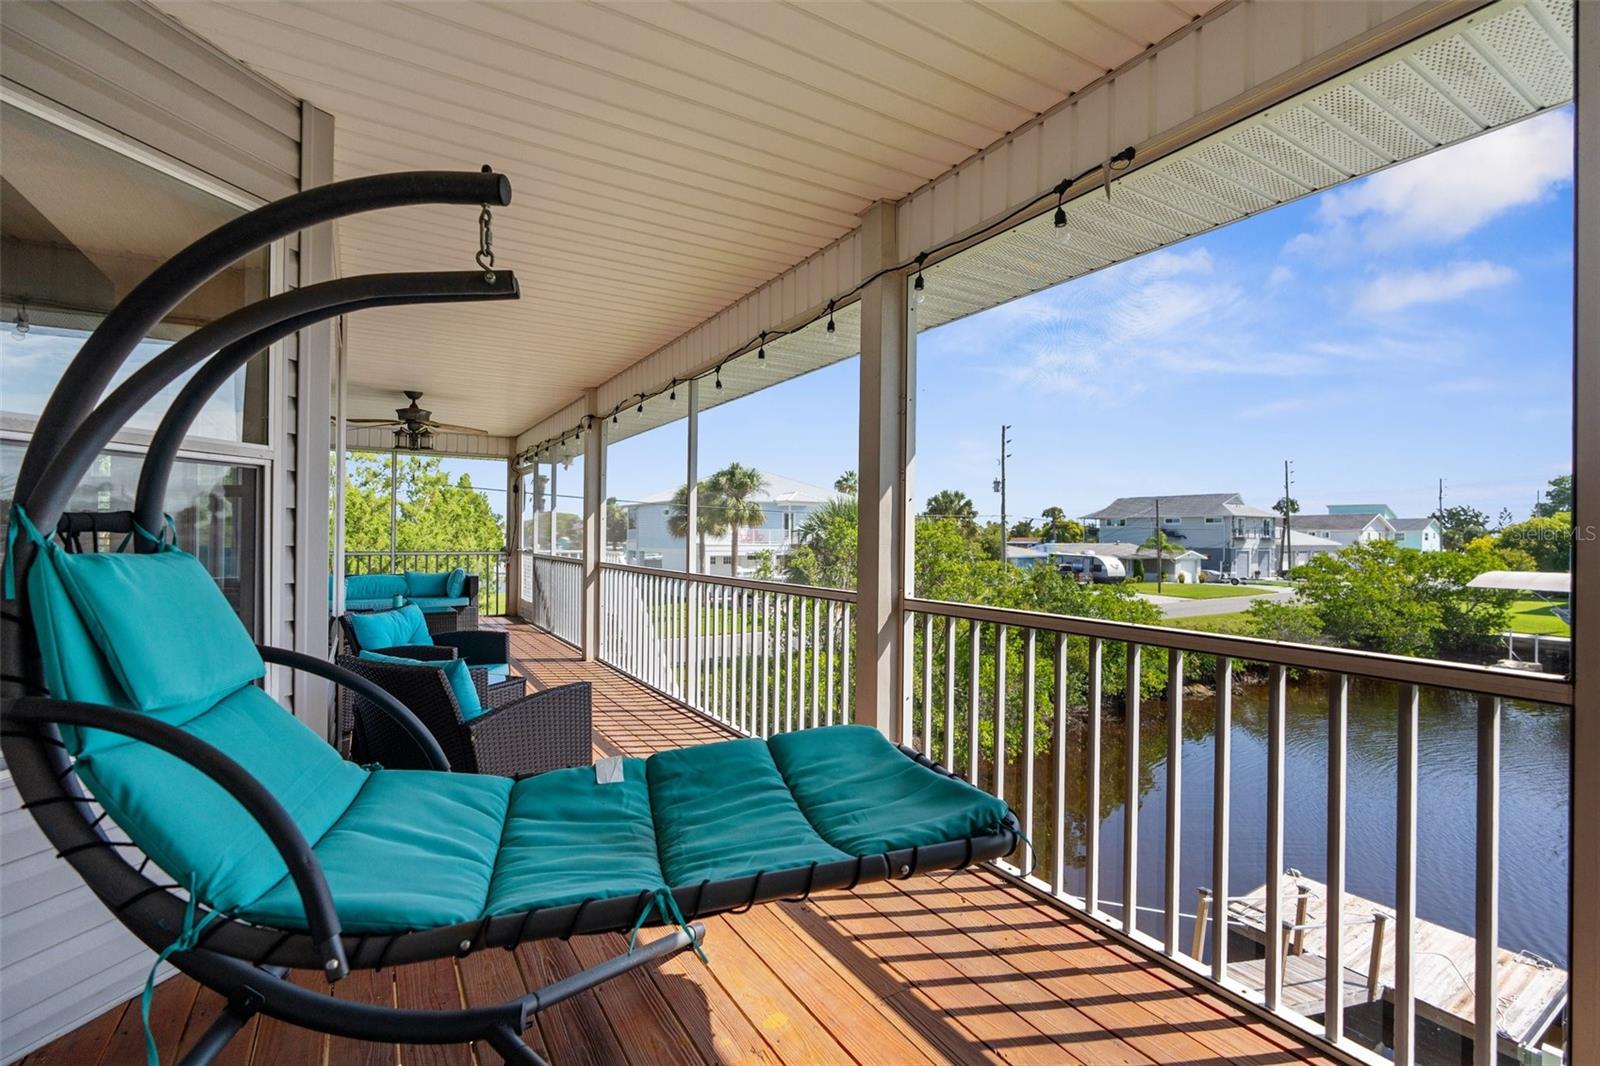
963	969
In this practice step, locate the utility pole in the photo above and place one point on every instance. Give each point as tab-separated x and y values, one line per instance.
1288	508
1441	496
1158	546
1000	487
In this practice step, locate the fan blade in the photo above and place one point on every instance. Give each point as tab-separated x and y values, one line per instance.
450	428
372	422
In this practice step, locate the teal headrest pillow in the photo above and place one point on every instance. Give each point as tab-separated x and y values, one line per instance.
374	586
421	584
164	627
456	584
401	627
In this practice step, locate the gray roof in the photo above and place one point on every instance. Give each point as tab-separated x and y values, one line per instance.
1198	505
1407	525
1337	521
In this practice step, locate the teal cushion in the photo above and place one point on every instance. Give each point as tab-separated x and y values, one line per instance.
72	664
169	636
374	587
866	797
568	838
191	828
426	584
415	850
401	627
368	605
456	672
456	582
721	811
436	604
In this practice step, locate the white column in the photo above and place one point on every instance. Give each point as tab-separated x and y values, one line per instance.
513	601
594	529
1584	1038
691	558
884	470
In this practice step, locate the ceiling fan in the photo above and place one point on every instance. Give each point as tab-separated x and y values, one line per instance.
414	425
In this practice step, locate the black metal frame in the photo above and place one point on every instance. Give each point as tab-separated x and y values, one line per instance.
244	962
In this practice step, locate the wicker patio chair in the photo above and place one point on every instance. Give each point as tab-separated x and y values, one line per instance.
480	648
232	840
548	730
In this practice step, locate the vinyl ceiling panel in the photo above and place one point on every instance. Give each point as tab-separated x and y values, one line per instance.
667	158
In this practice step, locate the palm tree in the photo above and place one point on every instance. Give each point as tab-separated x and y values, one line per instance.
732	487
709	520
847	483
952	503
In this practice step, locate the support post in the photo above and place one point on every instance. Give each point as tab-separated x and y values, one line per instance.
594	529
1584	872
691	546
513	602
886	445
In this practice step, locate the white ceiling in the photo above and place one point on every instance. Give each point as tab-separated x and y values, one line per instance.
667	158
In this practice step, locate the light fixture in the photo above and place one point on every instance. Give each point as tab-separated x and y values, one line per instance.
719	375
674	394
830	316
917	286
641	407
22	324
761	352
1063	235
613	416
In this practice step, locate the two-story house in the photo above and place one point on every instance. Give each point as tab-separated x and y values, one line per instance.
1346	529
784	504
1235	538
1423	534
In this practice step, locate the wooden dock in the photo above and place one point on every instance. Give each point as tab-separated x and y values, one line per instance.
1532	991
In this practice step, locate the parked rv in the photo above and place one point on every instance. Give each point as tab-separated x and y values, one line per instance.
1090	568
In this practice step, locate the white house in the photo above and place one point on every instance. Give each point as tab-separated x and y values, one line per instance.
784	504
1231	535
1423	534
1344	529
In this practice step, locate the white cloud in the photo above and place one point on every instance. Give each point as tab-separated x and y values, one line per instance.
1448	194
1387	293
1281	275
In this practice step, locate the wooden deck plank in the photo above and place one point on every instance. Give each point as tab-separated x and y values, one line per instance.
170	1008
967	969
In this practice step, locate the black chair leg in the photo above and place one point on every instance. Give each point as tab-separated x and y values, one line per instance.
511	1047
221	1032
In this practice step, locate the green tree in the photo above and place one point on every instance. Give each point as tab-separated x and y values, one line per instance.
847	483
732	488
1277	620
953	503
616	521
1460	524
1557	498
1058	527
1159	539
825	554
709	520
1287	505
1023	528
1547	540
434	513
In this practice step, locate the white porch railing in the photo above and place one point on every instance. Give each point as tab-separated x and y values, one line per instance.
759	657
552	594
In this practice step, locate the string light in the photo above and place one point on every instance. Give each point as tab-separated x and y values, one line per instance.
1063	234
21	324
830	316
761	352
917	286
641	407
674	394
719	375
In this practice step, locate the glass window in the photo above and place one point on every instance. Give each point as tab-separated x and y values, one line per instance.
215	508
647	455
80	226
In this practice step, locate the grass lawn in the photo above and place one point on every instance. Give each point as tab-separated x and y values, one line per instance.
1193	592
1534	616
1235	624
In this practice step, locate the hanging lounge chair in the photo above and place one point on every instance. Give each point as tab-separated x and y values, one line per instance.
237	844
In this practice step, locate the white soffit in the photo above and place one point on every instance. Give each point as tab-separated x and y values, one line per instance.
1503	63
667	158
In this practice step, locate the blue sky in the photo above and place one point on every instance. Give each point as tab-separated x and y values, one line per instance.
1413	325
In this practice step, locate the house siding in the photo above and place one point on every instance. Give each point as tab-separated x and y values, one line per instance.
133	71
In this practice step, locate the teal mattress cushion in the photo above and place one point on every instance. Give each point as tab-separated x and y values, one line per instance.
415	850
192	828
455	582
374	587
866	797
397	628
436	604
722	811
166	631
419	583
569	838
456	673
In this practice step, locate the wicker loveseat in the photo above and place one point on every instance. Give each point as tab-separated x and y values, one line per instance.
447	599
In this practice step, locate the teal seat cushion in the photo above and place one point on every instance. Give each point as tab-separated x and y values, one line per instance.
456	673
456	582
401	627
568	838
192	828
436	604
164	628
415	850
374	587
866	797
722	811
426	584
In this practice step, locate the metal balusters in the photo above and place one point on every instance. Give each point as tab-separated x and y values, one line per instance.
1030	666
831	683
816	661
950	694
927	687
1405	876
1058	875
788	663
847	634
1486	987
1174	793
1219	819
1091	836
1001	639
975	650
1277	696
1338	730
1130	792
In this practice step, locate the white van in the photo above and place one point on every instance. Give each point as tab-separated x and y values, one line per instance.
1089	567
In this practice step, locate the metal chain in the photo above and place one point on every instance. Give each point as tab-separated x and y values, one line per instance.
485	254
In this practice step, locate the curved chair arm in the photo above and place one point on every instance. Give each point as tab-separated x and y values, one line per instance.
349	679
549	730
428	653
235	780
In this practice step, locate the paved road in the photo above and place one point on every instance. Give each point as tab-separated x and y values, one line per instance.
1181	607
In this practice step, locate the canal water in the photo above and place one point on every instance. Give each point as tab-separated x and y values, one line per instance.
1534	798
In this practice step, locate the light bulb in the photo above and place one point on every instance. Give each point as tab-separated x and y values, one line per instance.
22	325
1063	234
919	290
